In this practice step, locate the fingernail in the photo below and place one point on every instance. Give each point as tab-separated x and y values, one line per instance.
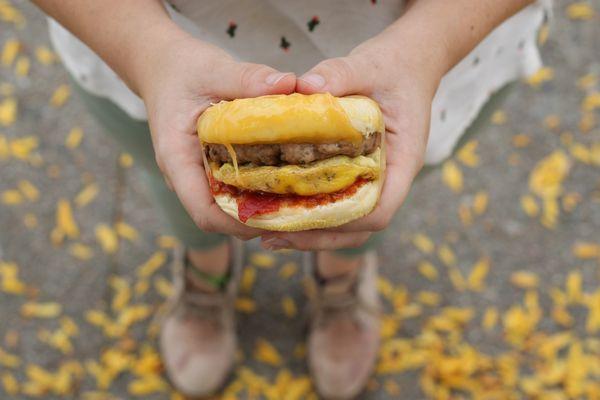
275	77
276	243
315	80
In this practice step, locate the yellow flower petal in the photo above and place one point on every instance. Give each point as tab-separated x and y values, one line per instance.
22	66
546	178
8	111
452	176
552	122
248	279
155	261
12	197
122	292
107	238
465	215
126	231
476	279
60	95
586	250
423	243
542	75
262	260
289	307
428	298
498	117
524	279
480	202
163	287
10	51
458	281
44	55
65	221
87	195
543	34
446	255
591	102
521	140
428	270
9	279
529	206
74	138
467	154
573	287
245	305
167	242
126	160
29	190
288	270
570	201
266	353
81	251
490	318
9	360
41	310
10	384
587	122
22	147
580	11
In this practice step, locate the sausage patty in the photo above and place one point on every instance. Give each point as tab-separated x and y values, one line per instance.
290	153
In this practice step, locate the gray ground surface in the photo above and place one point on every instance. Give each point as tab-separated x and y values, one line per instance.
504	232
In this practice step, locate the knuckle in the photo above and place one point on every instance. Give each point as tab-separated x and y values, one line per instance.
159	164
358	241
248	74
204	223
380	222
159	155
420	163
301	245
168	183
244	236
338	67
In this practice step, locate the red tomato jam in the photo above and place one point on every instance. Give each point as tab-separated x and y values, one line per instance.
251	203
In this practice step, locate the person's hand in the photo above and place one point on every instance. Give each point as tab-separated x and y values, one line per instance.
188	76
404	90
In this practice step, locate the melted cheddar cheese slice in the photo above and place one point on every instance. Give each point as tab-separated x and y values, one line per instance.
295	118
325	176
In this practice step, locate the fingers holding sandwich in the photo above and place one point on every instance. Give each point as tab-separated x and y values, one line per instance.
183	168
241	80
184	83
340	76
404	96
314	240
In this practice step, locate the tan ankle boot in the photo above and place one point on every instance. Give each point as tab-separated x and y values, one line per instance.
345	329
198	339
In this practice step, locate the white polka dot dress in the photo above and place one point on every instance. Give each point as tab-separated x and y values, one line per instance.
293	35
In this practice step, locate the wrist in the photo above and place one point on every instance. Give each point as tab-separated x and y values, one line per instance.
403	59
148	55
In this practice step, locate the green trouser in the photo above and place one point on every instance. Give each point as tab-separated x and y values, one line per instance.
134	137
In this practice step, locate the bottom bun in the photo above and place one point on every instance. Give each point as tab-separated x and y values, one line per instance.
291	219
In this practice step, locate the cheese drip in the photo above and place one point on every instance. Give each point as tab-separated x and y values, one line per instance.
233	156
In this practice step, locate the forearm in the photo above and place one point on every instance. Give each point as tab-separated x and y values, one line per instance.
437	34
458	26
126	34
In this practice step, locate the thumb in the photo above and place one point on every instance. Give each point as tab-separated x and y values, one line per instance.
338	76
241	80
